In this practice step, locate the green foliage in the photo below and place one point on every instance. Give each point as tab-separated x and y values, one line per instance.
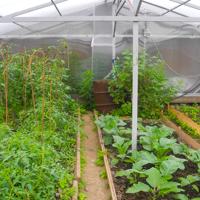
122	146
103	174
82	196
100	161
111	125
86	86
155	169
155	139
120	84
37	149
189	180
183	125
154	89
157	185
124	110
193	111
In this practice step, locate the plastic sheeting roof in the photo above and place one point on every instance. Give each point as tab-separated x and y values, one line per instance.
190	8
51	8
182	7
12	6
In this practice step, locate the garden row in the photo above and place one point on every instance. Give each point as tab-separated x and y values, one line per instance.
187	118
38	126
161	168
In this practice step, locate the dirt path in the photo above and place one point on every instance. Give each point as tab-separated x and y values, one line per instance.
96	187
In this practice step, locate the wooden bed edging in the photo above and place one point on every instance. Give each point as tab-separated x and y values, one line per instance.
78	160
184	118
185	138
187	99
106	162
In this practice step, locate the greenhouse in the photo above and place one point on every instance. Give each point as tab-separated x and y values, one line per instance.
100	100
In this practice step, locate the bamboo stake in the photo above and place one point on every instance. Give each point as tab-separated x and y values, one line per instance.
6	89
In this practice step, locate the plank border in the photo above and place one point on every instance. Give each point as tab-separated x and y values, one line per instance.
106	162
78	160
184	137
185	119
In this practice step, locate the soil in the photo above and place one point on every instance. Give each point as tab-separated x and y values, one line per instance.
121	184
96	187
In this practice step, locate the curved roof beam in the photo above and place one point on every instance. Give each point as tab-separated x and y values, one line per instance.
152	4
34	8
187	4
183	3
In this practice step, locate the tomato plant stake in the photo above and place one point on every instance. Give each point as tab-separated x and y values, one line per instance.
6	89
31	81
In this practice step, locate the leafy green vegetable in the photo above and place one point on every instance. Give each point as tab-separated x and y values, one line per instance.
111	125
156	167
122	146
124	110
157	185
139	187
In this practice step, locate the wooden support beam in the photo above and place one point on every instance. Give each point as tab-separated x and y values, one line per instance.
187	99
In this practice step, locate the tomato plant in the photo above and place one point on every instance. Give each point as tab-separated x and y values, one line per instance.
38	126
154	89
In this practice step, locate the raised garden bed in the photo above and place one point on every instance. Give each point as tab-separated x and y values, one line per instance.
183	120
161	168
38	127
183	136
191	111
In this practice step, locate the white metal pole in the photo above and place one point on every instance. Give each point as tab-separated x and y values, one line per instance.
135	85
113	38
93	39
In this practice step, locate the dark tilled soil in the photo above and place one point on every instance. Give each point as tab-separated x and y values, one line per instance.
121	183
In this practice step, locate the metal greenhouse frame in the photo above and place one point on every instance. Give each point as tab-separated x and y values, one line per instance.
133	6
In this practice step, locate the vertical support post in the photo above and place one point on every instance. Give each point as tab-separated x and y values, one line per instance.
93	39
113	38
135	85
92	59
